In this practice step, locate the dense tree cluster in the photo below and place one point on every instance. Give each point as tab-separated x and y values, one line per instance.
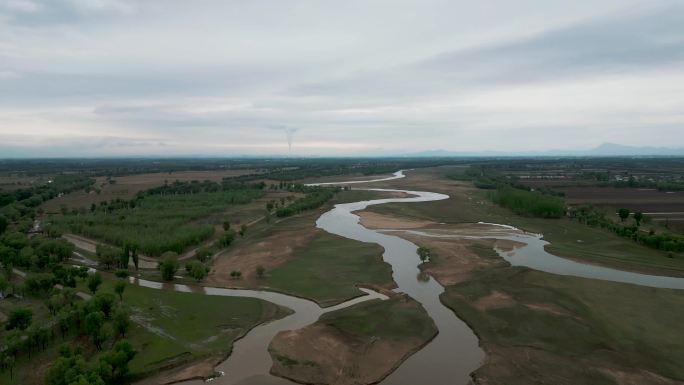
99	318
529	203
34	196
315	197
156	223
36	253
196	187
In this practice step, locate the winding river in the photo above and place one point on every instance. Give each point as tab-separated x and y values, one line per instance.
448	359
250	361
453	354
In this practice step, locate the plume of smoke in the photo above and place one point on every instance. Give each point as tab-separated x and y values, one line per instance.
289	134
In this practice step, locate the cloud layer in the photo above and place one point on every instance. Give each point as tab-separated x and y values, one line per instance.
119	77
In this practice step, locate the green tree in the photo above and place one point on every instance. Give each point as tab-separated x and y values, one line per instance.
236	274
423	253
70	368
226	225
135	258
119	288
638	216
3	224
19	319
196	270
113	365
168	266
93	326
4	284
202	254
121	322
104	302
122	273
94	282
260	271
125	257
39	283
624	214
243	230
227	238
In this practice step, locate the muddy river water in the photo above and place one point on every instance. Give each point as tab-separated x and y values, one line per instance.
453	354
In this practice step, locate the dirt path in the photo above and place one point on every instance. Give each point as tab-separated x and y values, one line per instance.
90	245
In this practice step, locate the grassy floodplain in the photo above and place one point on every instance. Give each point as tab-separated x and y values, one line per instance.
328	269
174	328
578	330
540	328
567	238
304	261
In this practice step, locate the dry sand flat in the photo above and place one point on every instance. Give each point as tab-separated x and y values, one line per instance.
453	254
269	252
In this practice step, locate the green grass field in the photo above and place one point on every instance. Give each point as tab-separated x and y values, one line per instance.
187	326
328	269
611	325
394	318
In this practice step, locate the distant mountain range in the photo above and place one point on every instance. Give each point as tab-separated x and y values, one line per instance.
604	150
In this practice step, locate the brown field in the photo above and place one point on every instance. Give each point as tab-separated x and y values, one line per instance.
11	182
664	208
125	187
644	200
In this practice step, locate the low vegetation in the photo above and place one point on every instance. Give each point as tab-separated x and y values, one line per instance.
577	329
328	269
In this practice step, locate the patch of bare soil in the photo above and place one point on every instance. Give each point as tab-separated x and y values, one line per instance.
549	308
526	365
324	354
494	300
269	252
452	259
373	220
202	369
637	377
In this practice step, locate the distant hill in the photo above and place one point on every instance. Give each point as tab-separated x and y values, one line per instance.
612	149
605	149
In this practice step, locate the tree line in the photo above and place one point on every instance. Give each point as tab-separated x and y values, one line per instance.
315	197
595	217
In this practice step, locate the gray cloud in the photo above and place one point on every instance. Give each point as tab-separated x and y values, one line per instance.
124	76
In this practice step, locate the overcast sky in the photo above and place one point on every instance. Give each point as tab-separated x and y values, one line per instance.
178	77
